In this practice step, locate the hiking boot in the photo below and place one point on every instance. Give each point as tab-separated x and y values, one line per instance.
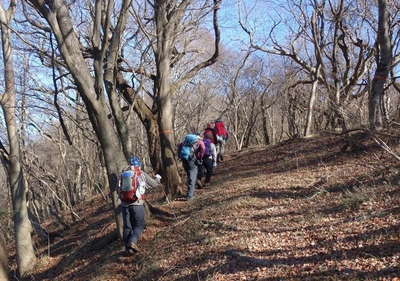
199	184
133	247
130	251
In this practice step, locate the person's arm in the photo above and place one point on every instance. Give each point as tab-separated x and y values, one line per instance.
151	182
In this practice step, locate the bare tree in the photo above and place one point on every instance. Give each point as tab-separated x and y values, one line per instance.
171	21
327	45
104	41
264	112
384	59
26	258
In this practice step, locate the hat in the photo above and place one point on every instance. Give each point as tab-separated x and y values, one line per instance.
135	161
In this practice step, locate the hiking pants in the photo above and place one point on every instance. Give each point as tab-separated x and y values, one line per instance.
191	170
220	149
208	166
133	217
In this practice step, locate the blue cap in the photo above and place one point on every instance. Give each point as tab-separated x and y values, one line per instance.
135	161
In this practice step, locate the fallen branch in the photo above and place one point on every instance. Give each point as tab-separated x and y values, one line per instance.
382	144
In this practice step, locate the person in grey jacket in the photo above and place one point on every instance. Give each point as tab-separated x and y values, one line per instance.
132	187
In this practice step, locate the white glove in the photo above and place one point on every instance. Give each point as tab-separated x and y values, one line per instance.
158	178
215	164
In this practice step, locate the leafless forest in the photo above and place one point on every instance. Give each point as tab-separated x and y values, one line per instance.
86	84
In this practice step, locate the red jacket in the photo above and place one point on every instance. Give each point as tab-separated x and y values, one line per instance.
209	133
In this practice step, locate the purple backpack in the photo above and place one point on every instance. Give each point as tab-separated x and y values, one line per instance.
207	144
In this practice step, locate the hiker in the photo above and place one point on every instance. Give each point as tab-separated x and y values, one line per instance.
209	161
222	138
132	187
191	152
209	132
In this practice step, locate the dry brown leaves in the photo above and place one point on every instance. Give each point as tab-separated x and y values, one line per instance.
302	210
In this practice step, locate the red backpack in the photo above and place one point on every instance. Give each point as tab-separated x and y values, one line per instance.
129	184
220	130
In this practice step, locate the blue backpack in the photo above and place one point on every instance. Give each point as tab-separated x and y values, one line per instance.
187	150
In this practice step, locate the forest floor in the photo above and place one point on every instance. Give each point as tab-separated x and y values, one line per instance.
300	210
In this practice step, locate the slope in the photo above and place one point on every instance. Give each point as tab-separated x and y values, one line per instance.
306	209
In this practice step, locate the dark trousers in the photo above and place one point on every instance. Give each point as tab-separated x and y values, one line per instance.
133	217
191	174
207	169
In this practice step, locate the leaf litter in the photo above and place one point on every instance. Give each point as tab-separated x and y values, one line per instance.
300	210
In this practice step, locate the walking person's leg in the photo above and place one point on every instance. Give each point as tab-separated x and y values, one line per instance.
127	231
200	174
218	149
192	177
138	222
221	150
186	167
209	166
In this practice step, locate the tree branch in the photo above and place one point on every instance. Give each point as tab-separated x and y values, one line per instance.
58	108
191	73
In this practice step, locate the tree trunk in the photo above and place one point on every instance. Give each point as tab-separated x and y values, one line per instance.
293	130
264	117
167	142
26	258
384	60
249	129
311	105
3	259
91	91
164	102
148	119
153	140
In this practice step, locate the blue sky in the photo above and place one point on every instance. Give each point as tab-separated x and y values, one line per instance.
231	32
255	13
